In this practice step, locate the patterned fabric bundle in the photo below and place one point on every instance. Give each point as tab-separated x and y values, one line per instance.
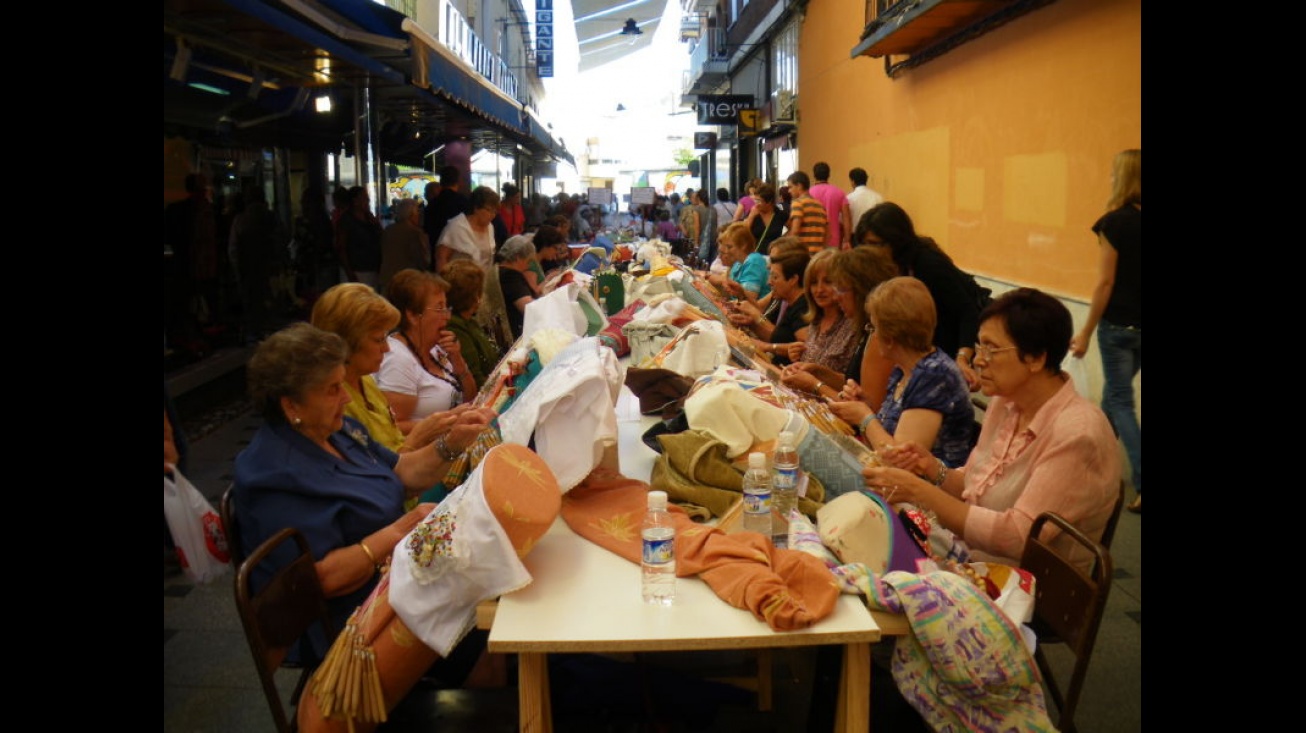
786	589
965	665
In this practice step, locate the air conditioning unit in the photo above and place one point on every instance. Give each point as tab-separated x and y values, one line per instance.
691	27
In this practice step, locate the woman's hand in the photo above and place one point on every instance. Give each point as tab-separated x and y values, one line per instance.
733	288
450	344
851	391
468	424
894	484
1079	344
969	373
801	375
850	411
744	313
409	520
910	456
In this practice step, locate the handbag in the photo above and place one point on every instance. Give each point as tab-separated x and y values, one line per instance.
196	529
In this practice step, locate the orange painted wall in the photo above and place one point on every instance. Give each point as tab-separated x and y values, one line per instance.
1001	148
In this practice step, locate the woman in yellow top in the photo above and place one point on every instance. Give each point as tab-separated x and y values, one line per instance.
363	318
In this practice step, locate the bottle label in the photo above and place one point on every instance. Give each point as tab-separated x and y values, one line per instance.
786	477
658	552
757	503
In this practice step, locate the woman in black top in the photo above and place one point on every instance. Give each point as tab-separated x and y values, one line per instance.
1116	312
779	319
887	225
765	222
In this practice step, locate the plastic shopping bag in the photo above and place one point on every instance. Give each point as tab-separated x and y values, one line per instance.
196	529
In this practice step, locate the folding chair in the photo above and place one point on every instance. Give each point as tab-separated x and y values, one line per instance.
1109	531
1068	605
278	615
227	510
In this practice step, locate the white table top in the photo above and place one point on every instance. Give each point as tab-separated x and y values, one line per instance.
586	598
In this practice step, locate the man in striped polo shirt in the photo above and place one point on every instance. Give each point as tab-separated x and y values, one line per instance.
807	217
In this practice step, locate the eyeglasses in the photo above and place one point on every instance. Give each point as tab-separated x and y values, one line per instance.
987	351
440	308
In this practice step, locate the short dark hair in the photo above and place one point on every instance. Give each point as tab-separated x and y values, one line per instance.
1039	324
723	194
821	171
547	236
858	176
800	178
791	261
450	176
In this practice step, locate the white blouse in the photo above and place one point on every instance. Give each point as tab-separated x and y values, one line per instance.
402	373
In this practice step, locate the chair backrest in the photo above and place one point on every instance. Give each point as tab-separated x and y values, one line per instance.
1069	604
227	510
1109	531
279	614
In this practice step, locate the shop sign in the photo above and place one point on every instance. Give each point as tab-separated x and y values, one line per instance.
722	109
705	141
544	38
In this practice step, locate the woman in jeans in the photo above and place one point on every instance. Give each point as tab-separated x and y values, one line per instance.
1116	312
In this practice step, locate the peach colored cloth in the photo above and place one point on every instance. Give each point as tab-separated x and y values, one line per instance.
788	589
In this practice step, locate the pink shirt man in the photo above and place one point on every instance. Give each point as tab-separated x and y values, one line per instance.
836	208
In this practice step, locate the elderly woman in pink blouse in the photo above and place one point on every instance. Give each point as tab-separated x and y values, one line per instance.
1043	447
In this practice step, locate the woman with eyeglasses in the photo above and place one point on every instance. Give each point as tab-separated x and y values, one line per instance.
927	400
424	371
1042	447
775	325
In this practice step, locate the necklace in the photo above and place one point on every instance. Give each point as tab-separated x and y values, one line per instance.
442	362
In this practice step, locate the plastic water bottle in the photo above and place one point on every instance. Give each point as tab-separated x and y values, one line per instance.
658	561
757	495
785	491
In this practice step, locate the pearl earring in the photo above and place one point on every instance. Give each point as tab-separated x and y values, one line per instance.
298	421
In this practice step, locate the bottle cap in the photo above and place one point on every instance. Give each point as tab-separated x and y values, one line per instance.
757	460
657	500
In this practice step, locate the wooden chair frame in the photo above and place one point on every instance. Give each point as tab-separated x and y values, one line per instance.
279	614
1068	605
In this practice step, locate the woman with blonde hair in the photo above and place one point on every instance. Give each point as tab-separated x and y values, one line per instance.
852	274
1116	312
927	400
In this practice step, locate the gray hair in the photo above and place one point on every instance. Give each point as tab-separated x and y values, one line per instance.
403	208
517	247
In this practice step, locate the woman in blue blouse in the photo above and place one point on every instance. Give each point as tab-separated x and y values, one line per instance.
312	468
928	401
747	277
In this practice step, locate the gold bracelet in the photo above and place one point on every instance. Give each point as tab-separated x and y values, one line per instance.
369	554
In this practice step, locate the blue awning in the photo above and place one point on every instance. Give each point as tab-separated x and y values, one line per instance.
546	139
447	79
310	34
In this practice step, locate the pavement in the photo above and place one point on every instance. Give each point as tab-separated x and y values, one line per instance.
210	684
